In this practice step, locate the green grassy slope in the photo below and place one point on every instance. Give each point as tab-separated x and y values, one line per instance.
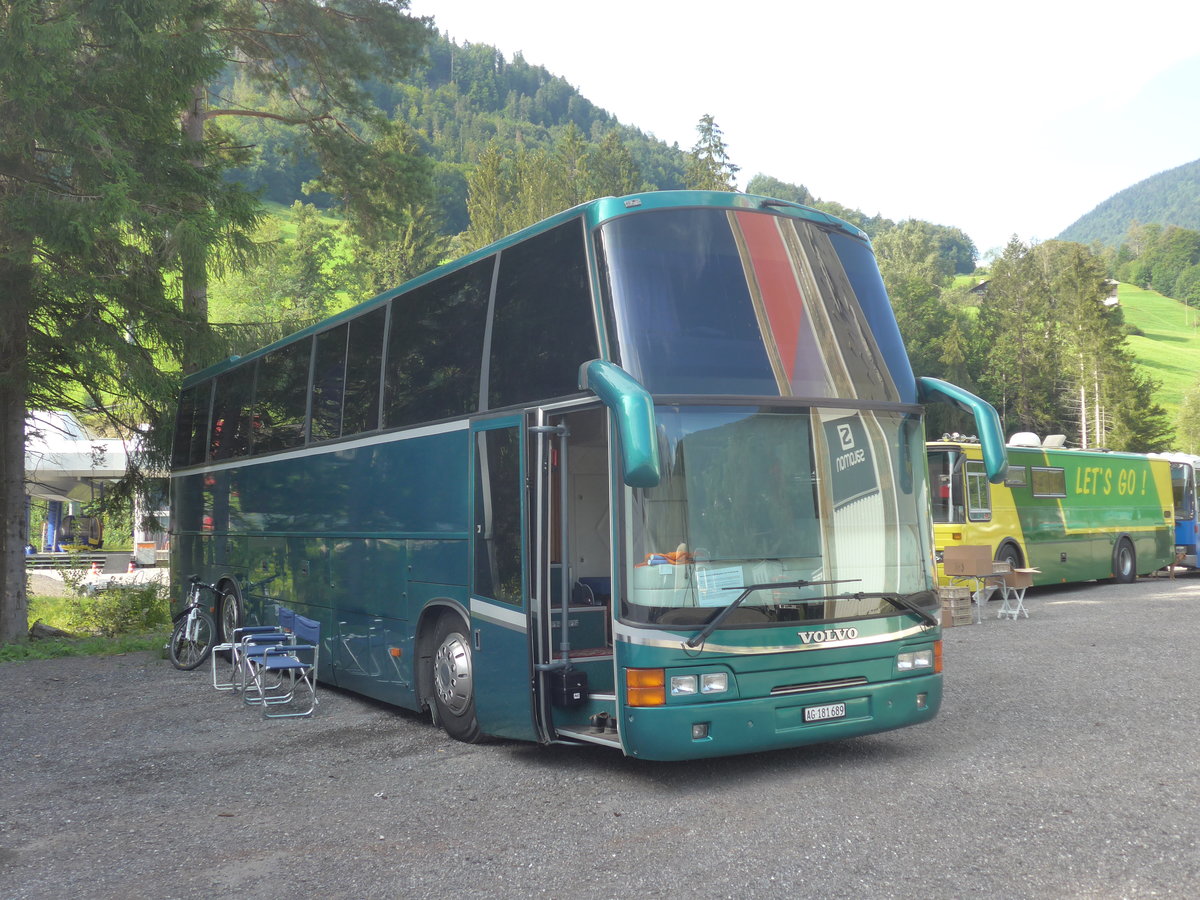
1169	346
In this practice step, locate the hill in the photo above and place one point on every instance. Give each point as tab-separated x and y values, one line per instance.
1168	347
1168	198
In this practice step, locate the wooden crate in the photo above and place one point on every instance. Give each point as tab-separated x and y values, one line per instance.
952	618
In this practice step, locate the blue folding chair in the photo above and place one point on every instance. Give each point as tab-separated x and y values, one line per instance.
293	666
233	646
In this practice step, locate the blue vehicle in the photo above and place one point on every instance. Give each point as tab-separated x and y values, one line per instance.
647	475
1187	525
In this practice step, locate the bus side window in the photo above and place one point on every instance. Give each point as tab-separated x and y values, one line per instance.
543	327
191	425
280	398
328	382
364	359
979	495
435	347
230	436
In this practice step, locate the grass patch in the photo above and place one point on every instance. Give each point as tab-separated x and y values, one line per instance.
56	648
75	614
1168	347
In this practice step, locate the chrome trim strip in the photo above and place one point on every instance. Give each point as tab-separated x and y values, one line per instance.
387	437
504	616
670	641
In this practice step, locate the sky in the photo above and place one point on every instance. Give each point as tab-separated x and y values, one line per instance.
999	118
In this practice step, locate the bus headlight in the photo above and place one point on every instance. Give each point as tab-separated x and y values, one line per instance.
707	683
683	685
714	683
917	659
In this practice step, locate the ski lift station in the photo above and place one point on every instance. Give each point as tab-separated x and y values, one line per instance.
68	468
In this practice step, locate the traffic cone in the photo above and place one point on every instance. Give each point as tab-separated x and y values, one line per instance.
132	567
95	568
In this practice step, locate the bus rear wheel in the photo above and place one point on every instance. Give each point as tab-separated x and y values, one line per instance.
1124	562
453	680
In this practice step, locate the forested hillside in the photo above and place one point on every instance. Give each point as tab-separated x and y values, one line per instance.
509	143
1168	198
462	100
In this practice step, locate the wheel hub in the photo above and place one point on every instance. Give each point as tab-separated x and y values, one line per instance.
452	674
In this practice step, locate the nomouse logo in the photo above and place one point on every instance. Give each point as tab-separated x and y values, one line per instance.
829	634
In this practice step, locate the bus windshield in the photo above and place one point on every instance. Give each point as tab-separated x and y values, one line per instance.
711	301
835	498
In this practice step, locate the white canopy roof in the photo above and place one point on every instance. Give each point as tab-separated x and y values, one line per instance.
64	462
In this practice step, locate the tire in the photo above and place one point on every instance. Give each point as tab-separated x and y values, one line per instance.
1010	554
1124	562
453	680
231	615
187	651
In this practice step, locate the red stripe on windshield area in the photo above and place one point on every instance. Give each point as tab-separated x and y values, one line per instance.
781	296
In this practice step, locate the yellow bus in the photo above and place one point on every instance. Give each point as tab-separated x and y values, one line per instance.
1075	515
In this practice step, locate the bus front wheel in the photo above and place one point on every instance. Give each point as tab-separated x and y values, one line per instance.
1010	554
231	615
1124	562
453	680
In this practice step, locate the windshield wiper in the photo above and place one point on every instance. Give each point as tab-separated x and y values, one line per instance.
902	602
746	591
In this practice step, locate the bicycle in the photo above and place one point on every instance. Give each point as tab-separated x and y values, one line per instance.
195	628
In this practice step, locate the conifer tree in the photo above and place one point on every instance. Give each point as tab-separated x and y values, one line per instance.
98	192
710	168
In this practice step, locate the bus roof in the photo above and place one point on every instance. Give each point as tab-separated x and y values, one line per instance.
594	213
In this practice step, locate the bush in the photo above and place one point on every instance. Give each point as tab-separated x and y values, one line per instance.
121	610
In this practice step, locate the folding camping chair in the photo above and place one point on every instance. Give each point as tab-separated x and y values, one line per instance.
294	665
233	646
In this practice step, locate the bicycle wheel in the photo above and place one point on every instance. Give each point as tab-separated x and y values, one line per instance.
192	640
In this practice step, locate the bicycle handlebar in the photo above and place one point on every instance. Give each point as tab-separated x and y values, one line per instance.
194	581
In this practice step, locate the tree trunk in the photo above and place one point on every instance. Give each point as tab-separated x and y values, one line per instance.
16	283
193	252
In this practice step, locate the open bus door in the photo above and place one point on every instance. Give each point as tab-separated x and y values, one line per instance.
500	606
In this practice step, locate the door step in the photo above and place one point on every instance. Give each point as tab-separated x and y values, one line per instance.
590	736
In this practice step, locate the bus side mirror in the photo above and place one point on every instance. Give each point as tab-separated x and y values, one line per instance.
987	422
632	409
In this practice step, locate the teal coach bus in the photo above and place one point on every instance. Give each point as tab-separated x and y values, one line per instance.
647	475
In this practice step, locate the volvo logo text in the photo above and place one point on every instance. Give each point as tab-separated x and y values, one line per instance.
829	634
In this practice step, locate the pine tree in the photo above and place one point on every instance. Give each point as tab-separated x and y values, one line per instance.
611	167
307	62
99	192
710	168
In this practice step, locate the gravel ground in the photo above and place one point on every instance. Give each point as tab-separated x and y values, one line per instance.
1063	765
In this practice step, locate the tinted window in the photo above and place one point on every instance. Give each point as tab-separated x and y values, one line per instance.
687	323
710	301
435	345
543	326
1016	477
1048	482
281	398
191	425
498	515
230	435
329	378
364	356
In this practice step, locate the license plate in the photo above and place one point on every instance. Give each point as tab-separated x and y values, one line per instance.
827	711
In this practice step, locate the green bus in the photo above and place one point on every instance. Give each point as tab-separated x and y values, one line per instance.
1074	515
646	475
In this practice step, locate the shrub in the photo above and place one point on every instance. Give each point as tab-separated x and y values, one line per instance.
121	610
